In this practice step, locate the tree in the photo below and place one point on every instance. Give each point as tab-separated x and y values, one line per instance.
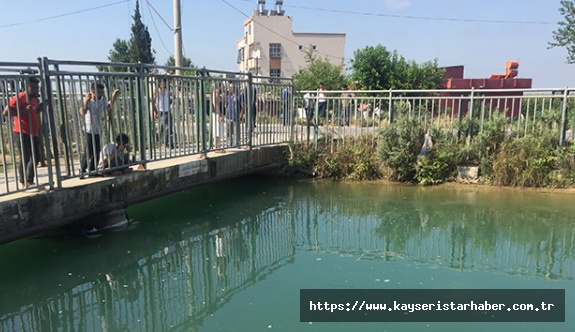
140	41
376	68
318	71
137	49
564	36
186	62
120	52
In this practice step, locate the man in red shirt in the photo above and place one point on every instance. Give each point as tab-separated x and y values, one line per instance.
24	109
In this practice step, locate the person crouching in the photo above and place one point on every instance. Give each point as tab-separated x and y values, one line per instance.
115	157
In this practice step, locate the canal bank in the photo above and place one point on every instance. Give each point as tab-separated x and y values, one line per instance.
101	202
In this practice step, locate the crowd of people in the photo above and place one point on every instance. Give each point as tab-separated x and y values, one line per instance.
234	106
342	111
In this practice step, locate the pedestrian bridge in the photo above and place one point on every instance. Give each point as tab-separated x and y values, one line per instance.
210	133
100	202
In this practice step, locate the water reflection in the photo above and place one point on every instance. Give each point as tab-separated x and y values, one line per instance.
482	233
174	274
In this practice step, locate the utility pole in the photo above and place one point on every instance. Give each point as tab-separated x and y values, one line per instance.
177	36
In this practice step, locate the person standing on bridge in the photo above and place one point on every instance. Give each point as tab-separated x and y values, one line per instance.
92	110
322	104
308	106
24	109
161	107
234	112
217	117
346	104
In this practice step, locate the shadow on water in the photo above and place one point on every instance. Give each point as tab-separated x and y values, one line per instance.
186	256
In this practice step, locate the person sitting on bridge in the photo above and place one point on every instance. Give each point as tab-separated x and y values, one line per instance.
115	157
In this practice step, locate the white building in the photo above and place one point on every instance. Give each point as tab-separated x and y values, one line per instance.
271	48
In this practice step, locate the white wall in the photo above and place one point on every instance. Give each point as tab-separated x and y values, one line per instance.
262	30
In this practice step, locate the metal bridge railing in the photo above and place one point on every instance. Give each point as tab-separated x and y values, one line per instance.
208	111
360	114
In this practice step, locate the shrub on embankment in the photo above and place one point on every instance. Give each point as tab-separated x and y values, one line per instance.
396	154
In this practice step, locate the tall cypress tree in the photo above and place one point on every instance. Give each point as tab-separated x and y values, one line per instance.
140	41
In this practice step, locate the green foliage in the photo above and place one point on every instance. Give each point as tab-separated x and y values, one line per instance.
432	170
140	41
186	62
437	166
398	148
467	155
319	71
528	161
535	160
120	52
349	160
301	160
378	69
484	144
564	36
565	165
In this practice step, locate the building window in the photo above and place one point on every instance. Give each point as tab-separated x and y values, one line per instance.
275	50
275	72
241	55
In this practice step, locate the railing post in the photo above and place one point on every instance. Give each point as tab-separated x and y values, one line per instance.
251	110
316	119
292	108
563	118
459	117
141	106
390	107
48	115
470	116
202	110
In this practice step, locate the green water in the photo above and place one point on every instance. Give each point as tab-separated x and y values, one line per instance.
234	256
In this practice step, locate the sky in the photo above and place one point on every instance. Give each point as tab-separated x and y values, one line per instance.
481	35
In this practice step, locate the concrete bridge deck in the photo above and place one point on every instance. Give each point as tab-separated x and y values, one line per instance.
101	202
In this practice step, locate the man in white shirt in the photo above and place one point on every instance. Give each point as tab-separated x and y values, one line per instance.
322	102
93	108
161	107
308	107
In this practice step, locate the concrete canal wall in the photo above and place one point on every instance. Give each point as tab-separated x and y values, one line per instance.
101	202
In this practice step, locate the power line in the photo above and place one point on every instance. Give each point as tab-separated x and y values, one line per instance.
410	17
156	27
427	18
160	16
61	15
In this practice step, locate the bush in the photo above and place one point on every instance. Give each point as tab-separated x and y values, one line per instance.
565	166
301	160
487	143
439	165
528	161
531	161
398	148
340	160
